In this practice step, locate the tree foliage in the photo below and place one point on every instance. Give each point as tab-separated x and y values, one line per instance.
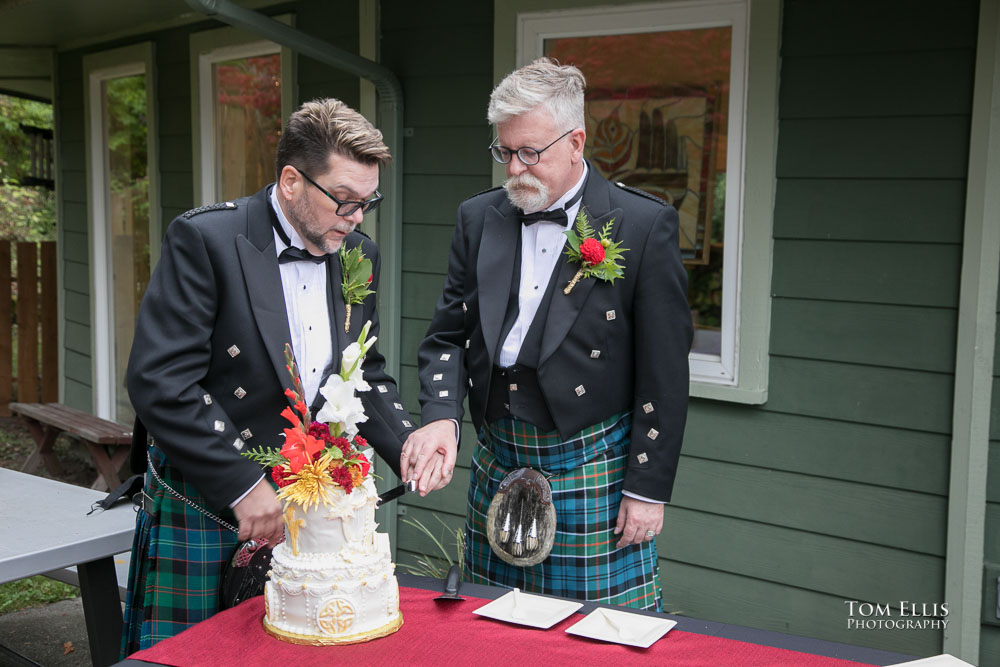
26	213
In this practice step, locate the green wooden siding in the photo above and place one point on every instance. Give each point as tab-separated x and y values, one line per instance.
447	82
836	488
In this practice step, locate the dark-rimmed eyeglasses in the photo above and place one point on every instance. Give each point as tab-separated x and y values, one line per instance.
525	154
348	207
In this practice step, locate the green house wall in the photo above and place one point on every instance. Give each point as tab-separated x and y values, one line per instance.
836	488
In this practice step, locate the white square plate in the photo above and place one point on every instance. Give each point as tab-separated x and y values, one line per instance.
533	610
641	630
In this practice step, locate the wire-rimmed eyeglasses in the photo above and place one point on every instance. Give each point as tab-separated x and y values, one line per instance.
525	154
348	207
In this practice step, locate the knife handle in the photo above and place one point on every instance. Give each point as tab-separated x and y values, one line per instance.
451	582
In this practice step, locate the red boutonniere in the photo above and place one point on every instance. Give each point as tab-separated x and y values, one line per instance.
598	256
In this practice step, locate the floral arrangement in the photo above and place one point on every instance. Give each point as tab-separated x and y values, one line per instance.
354	267
324	453
598	256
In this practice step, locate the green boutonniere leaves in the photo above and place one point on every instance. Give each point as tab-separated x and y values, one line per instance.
356	276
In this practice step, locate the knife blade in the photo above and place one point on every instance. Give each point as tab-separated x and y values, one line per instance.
392	494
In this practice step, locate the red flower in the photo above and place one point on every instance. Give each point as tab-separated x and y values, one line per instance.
343	445
320	431
299	448
299	404
371	276
360	442
290	416
280	477
592	251
342	476
364	463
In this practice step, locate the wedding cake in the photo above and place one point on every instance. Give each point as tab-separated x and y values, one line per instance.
331	580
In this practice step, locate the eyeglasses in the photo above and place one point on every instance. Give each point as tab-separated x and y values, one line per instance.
526	155
346	208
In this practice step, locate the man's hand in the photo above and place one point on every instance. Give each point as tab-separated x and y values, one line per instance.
429	455
635	519
259	515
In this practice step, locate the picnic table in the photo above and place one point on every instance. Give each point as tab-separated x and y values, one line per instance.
46	421
46	527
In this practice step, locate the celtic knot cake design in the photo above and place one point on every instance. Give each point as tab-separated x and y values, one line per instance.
336	616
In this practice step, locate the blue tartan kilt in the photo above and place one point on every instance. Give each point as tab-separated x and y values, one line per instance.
587	474
178	556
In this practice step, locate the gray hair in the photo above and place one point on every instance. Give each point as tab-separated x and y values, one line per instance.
543	83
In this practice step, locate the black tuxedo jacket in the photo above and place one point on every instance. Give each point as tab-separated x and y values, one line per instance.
606	348
207	374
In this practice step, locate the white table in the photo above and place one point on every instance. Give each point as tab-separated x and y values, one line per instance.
45	527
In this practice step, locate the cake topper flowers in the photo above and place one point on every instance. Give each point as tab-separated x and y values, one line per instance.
356	277
319	455
598	257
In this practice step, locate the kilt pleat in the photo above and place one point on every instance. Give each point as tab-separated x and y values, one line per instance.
178	555
587	474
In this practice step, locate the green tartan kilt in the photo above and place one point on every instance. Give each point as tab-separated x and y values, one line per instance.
587	474
178	555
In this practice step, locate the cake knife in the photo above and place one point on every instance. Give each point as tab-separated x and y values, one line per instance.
392	494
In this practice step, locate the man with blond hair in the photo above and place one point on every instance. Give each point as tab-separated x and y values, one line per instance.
577	378
236	282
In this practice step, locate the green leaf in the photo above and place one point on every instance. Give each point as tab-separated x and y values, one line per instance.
266	456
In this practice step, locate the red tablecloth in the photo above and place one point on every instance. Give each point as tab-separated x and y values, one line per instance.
436	633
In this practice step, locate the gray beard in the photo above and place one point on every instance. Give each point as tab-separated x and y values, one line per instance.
530	199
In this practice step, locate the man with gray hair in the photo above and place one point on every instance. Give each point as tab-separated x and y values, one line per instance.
236	282
564	317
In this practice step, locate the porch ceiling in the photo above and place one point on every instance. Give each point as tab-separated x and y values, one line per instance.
31	30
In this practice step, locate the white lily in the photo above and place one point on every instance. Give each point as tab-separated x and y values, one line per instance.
342	407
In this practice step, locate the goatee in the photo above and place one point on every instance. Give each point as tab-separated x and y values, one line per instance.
527	192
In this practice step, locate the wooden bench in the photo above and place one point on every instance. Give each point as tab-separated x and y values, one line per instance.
45	421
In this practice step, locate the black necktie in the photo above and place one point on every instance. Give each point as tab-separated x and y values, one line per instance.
291	253
557	216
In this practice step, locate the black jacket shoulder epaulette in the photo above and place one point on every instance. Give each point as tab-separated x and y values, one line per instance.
221	206
642	193
499	187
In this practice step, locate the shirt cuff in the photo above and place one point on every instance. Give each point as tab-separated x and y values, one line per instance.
246	493
458	430
643	498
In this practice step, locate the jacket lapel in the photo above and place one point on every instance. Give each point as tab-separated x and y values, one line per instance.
495	271
565	308
259	263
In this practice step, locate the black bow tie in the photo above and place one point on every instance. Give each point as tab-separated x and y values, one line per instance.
557	216
293	254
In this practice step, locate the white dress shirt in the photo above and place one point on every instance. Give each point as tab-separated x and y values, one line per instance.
541	245
304	285
306	305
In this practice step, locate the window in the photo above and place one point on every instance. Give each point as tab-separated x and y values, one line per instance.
123	208
668	112
240	100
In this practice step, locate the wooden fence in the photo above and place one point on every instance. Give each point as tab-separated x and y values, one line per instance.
33	324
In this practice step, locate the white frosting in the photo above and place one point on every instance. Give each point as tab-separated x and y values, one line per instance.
341	582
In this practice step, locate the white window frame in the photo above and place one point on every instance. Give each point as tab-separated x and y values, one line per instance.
206	49
740	373
98	68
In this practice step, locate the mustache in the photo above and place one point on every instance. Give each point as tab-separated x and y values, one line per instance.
522	181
